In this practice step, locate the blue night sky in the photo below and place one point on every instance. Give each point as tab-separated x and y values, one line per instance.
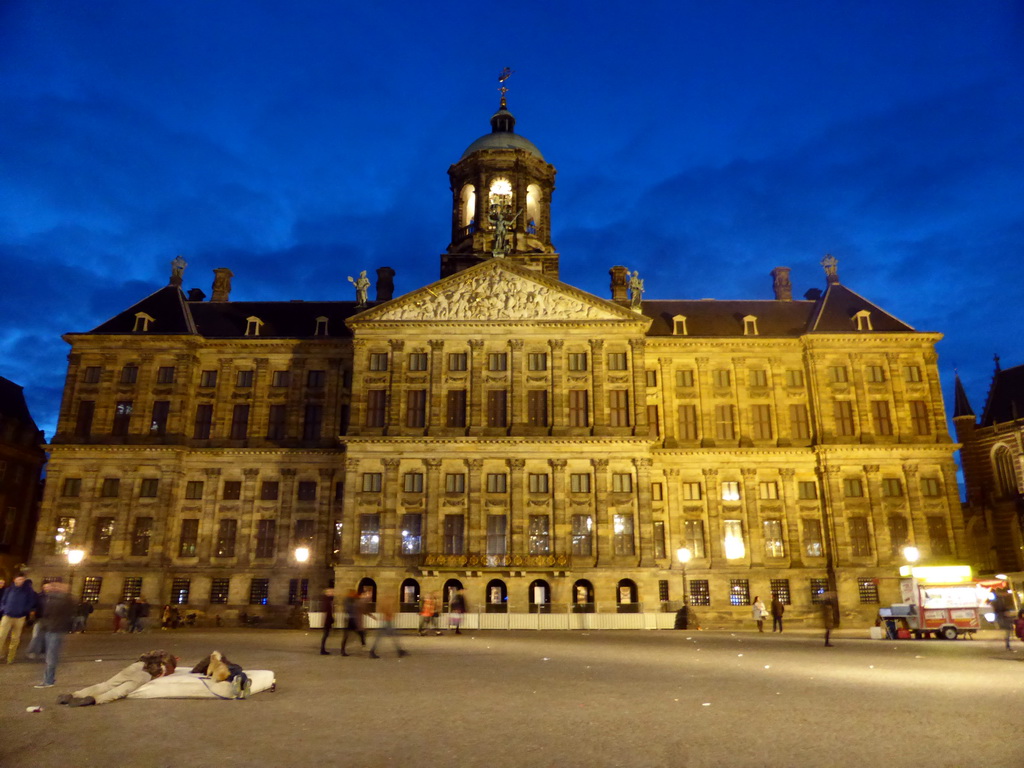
700	143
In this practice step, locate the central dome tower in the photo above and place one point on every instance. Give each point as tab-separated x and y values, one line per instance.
501	201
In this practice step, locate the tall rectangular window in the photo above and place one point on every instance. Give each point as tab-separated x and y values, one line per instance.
622	534
219	591
721	377
496	534
259	591
417	361
497	408
306	490
194	489
622	482
684	377
92	374
735	548
497	482
806	490
860	537
276	422
266	538
412	534
457	361
416	408
376	407
691	491
412	482
837	374
188	538
819	591
130	374
455	483
378	361
244	379
693	536
304	532
232	490
616	361
799	424
579	482
372	481
882	419
454	534
369	534
539	536
537	361
582	535
227	532
687	422
938	536
577	361
773	542
892	487
122	418
537	407
456	407
131	587
280	379
102	536
312	421
497	361
239	422
762	421
179	591
739	592
111	488
203	422
72	487
768	489
919	417
911	374
208	379
780	590
141	534
899	535
867	589
659	539
578	415
758	378
843	410
853	488
538	483
158	421
724	427
91	586
657	492
730	490
876	374
700	592
794	377
83	420
812	538
148	488
618	407
930	487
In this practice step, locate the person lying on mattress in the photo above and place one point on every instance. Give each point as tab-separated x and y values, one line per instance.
149	666
217	667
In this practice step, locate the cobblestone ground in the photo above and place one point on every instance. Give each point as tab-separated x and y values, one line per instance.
616	698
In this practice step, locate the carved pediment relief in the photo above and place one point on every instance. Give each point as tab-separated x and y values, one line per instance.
493	291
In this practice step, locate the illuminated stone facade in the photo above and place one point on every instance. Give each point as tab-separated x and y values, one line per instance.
546	449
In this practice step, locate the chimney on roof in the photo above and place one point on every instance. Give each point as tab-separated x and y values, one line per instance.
385	283
813	294
222	284
195	294
620	283
783	288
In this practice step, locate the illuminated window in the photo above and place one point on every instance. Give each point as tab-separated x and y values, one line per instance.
867	589
739	592
700	592
412	534
735	549
622	534
819	590
141	535
188	538
91	589
63	532
693	537
259	591
812	538
219	591
780	590
369	534
102	535
582	535
730	490
539	542
659	541
773	543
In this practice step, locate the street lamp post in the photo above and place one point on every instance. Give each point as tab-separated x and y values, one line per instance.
683	555
74	556
911	554
301	557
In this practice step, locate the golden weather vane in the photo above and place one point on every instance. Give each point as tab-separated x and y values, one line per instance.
506	73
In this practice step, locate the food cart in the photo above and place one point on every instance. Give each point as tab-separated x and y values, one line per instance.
940	601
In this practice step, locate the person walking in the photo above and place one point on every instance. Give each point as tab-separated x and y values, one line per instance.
386	617
457	609
56	621
428	615
777	610
760	613
138	612
355	610
828	615
120	616
18	602
327	608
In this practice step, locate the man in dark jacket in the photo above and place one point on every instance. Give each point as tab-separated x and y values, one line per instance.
18	602
57	617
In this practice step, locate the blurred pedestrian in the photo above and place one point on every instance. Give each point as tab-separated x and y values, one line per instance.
386	618
828	615
457	610
120	616
327	608
138	612
355	610
56	621
1004	615
19	602
777	610
82	614
760	613
428	615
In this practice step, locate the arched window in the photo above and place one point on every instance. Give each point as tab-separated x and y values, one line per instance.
532	208
626	597
409	599
540	597
1006	477
368	585
497	596
583	597
450	588
468	202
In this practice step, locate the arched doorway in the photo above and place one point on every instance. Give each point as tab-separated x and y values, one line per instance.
450	588
583	597
410	596
626	597
540	596
496	596
368	585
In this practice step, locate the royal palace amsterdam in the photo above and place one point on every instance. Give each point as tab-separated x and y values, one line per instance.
566	459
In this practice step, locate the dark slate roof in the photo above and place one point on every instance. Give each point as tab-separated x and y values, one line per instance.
961	405
281	319
13	405
167	307
710	317
840	304
1005	397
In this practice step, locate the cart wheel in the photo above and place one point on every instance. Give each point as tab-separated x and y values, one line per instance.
949	633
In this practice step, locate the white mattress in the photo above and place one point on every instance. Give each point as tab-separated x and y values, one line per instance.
183	684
